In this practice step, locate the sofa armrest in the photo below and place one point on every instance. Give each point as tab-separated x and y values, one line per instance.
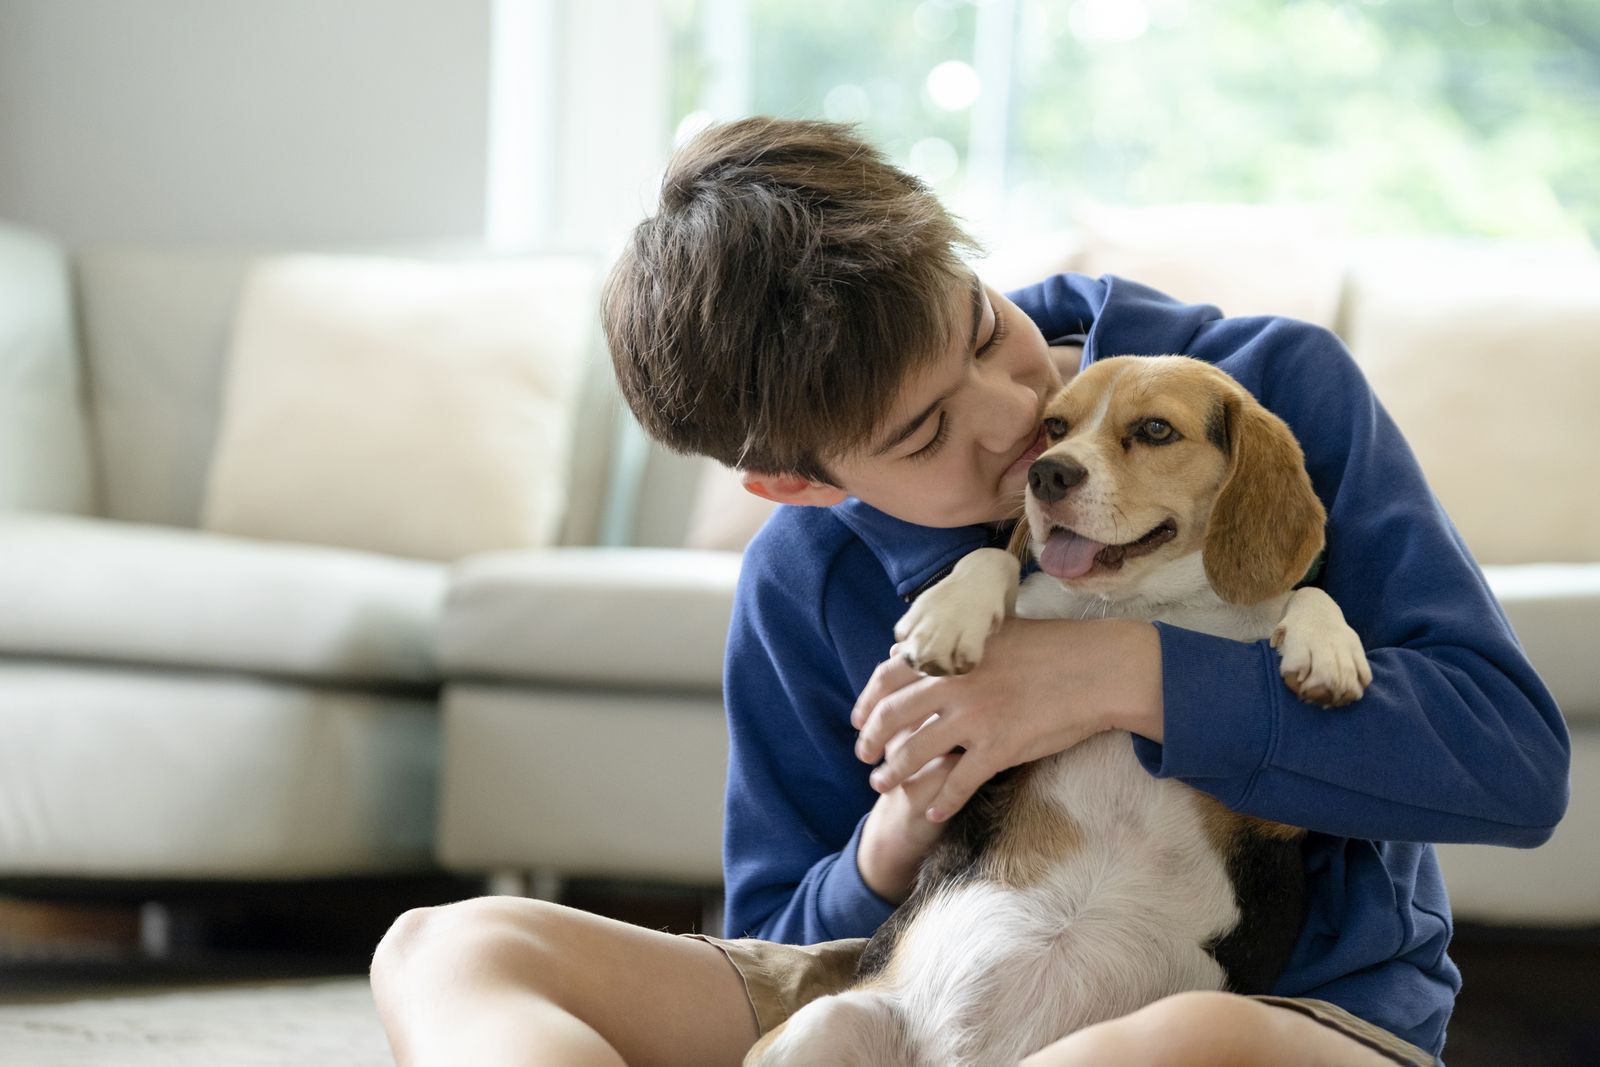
44	445
1554	609
624	617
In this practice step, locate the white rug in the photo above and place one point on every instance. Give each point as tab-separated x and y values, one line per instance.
303	1023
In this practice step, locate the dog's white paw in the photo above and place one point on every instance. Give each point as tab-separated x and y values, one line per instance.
947	626
1322	660
942	636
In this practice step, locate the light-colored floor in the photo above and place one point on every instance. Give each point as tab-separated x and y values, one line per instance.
297	1023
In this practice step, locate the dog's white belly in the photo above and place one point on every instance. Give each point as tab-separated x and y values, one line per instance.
987	974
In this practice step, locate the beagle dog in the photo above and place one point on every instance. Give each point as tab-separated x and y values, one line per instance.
1078	888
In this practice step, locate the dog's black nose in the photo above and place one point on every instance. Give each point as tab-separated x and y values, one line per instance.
1054	477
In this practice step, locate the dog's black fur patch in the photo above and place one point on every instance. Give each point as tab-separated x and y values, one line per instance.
1269	885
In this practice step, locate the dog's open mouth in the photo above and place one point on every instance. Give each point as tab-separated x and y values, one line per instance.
1067	554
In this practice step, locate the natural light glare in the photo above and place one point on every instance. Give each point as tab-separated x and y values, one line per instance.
691	124
847	103
934	160
934	20
953	85
1170	14
1108	20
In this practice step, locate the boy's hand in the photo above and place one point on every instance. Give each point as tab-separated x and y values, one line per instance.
1042	687
898	835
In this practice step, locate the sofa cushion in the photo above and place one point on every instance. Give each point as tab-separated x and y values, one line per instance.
586	782
618	617
119	772
44	443
105	590
1247	259
1488	357
155	328
1555	610
417	408
725	515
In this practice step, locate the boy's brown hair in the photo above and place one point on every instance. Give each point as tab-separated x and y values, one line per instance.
791	281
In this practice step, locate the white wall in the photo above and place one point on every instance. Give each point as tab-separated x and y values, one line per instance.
244	121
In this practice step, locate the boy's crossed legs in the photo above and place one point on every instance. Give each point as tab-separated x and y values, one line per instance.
506	981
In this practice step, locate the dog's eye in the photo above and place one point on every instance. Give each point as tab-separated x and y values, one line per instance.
1159	431
1056	428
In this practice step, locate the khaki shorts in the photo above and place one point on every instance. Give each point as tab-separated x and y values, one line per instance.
781	979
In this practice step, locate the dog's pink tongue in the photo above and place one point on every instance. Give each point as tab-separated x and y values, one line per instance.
1066	555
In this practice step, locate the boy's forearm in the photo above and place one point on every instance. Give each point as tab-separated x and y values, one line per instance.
897	835
1142	709
886	867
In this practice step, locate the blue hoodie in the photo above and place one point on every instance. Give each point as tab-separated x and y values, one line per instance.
1457	739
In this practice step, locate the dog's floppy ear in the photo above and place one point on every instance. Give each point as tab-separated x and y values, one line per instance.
1021	545
1266	526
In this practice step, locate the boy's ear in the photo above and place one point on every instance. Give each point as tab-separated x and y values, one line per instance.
791	489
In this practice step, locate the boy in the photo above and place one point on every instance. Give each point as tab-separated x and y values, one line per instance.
798	310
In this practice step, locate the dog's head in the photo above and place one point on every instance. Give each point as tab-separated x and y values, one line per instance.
1150	459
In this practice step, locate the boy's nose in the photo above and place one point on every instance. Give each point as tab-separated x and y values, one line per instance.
1013	411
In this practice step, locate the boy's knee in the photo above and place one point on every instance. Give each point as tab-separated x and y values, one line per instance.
1197	1029
1201	1028
486	932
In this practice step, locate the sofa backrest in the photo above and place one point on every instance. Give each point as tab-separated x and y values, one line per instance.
1427	323
157	326
44	443
155	329
1487	355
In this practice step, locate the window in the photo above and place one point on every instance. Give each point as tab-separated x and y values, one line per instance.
1477	117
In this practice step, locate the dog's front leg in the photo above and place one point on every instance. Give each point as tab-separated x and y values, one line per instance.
945	630
1323	661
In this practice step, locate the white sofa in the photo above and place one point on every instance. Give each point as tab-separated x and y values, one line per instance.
177	704
183	706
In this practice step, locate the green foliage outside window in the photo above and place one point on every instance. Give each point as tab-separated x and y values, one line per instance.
1477	117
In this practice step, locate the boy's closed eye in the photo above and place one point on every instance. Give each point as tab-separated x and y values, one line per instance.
996	335
942	431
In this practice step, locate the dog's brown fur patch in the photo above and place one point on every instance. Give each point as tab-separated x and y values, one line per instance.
1034	836
1224	827
1267	524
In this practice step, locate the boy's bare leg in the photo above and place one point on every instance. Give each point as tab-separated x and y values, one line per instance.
1208	1030
506	981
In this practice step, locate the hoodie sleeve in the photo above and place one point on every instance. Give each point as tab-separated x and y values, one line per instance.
796	794
1457	739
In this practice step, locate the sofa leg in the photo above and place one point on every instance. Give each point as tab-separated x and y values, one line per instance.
506	883
711	913
541	883
546	883
155	931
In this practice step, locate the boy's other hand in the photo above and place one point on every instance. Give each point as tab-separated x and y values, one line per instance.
898	834
1042	687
